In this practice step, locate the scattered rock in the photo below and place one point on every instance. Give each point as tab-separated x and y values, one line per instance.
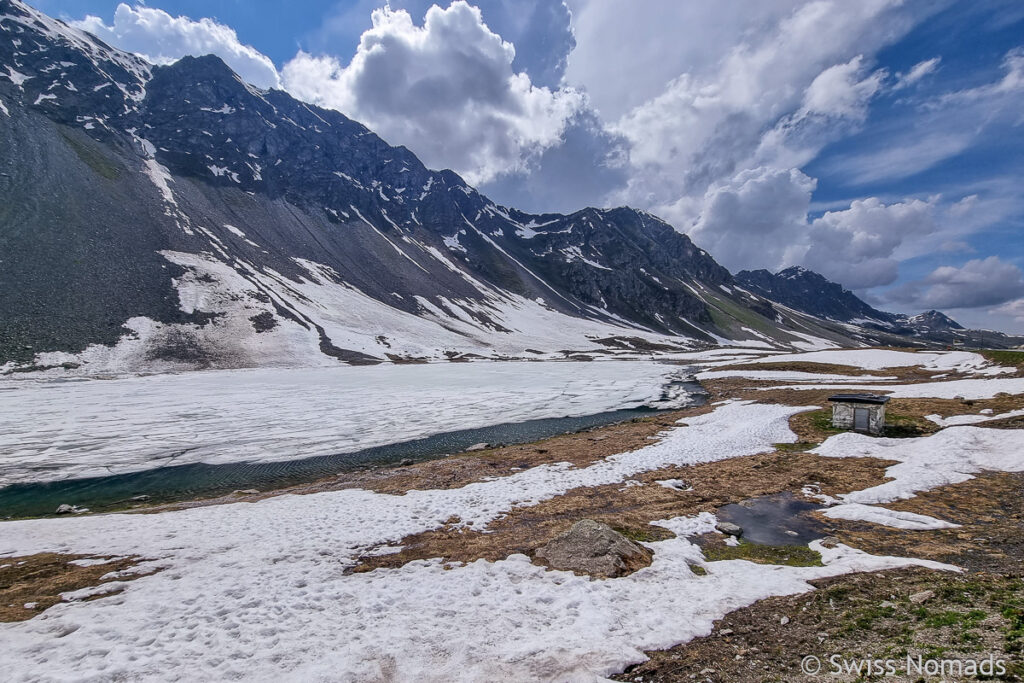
923	596
887	604
725	632
66	509
596	549
478	447
405	463
829	542
730	529
784	620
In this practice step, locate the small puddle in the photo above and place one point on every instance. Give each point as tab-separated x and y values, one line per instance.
778	519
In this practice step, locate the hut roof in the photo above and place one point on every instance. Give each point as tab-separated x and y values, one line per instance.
859	398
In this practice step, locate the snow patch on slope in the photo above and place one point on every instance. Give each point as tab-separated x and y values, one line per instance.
950	456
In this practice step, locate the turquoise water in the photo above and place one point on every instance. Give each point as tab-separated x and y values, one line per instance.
186	482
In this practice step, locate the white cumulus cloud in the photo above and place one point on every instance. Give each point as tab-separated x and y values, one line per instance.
754	219
445	89
979	282
1013	309
711	120
858	246
161	38
758	219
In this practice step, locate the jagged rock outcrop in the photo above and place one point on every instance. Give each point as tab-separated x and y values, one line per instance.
811	293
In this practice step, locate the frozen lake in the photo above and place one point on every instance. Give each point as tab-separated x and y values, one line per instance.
53	430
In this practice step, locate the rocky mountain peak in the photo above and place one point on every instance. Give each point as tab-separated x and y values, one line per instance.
935	320
810	292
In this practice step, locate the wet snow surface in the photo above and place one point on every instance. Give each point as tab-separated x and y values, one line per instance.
52	430
258	591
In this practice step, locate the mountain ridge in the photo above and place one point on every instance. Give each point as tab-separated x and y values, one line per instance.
175	217
811	293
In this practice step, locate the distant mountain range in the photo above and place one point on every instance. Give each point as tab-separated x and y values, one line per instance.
173	217
806	291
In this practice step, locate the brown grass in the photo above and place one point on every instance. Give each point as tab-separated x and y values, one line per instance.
41	578
905	375
630	509
989	508
806	366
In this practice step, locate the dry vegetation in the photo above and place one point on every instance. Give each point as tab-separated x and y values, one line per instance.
631	508
33	583
858	615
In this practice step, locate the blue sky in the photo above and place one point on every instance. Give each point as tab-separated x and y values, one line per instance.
877	142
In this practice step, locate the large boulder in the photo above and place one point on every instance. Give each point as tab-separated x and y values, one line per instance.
596	549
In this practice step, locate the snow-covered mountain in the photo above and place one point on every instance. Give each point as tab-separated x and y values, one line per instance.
811	293
162	217
176	216
808	292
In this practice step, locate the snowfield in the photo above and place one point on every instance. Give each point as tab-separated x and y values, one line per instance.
788	376
258	591
879	359
950	456
68	429
962	388
886	517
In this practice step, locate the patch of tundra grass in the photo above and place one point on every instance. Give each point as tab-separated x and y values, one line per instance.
1005	357
790	555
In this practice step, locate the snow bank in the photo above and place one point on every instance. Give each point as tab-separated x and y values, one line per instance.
886	517
877	359
958	420
788	376
67	429
950	456
964	388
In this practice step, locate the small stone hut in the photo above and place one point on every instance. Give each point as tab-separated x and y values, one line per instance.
859	412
